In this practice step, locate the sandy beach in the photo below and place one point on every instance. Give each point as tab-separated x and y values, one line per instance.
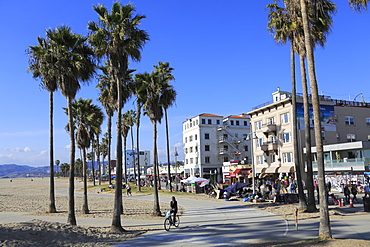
31	196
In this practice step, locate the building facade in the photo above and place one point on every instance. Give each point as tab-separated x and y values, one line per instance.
212	140
342	122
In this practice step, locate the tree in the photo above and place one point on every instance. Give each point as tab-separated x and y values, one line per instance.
65	169
169	95
73	62
324	229
128	120
116	37
41	64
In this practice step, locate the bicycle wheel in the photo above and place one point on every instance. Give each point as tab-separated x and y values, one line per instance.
167	224
177	222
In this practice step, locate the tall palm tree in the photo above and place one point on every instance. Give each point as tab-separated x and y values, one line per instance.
108	98
127	123
324	229
117	38
169	95
41	65
138	87
73	61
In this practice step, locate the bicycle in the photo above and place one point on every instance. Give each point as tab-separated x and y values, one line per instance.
168	222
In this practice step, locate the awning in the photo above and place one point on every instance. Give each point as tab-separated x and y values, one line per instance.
272	169
241	172
286	169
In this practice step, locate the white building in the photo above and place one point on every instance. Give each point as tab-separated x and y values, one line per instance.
211	140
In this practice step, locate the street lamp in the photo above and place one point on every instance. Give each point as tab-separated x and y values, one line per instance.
252	136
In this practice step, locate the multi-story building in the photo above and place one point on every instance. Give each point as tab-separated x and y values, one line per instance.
342	122
211	140
144	157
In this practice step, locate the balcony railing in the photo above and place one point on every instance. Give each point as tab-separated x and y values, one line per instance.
345	164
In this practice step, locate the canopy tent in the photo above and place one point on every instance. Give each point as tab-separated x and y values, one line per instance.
193	179
235	187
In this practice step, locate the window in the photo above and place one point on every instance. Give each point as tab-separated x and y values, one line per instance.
196	148
259	142
245	148
207	159
186	150
272	139
226	148
196	160
284	118
191	149
218	121
285	137
195	137
237	122
226	159
209	121
258	125
203	121
245	123
206	136
191	160
207	148
260	159
232	122
245	136
368	121
351	137
272	158
187	161
191	124
186	139
190	138
287	157
349	120
271	120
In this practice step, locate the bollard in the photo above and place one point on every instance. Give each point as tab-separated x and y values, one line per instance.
296	219
343	203
350	203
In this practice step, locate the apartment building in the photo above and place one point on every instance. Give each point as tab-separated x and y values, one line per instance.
343	123
212	140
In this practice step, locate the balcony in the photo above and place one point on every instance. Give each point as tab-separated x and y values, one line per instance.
273	146
269	128
264	147
345	164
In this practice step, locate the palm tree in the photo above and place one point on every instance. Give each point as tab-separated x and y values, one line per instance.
169	96
41	65
324	229
128	119
72	59
117	37
138	87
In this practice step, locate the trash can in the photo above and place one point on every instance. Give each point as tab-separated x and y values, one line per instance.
366	204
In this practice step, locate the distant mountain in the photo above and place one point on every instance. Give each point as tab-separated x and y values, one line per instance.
17	171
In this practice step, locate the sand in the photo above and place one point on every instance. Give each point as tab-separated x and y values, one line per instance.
31	196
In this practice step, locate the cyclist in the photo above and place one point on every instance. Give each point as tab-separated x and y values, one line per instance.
173	205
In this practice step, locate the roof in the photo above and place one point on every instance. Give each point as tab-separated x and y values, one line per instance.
209	115
235	116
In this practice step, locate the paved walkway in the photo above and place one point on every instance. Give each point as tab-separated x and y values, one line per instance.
219	223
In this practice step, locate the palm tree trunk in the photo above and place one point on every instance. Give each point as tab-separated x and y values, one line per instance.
52	208
298	168
324	229
109	148
116	222
93	161
71	211
311	206
157	210
133	156
137	144
85	207
98	158
168	151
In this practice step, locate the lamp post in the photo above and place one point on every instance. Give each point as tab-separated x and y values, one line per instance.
252	136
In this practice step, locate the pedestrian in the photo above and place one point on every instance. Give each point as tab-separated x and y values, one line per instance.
128	187
354	192
346	192
316	186
292	187
366	190
173	205
328	186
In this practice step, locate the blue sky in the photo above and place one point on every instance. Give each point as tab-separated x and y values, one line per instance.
225	63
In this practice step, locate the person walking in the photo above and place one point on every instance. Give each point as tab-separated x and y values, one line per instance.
346	192
128	187
354	192
366	190
173	205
